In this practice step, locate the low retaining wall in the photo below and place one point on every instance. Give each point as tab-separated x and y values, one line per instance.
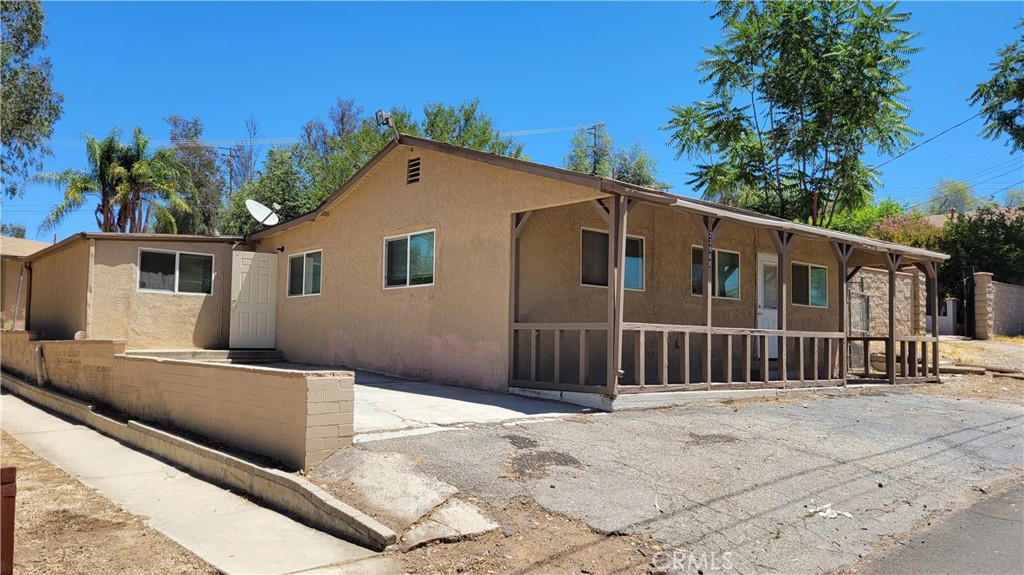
277	489
296	417
998	307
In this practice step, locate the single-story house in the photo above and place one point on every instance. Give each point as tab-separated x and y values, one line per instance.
13	252
450	264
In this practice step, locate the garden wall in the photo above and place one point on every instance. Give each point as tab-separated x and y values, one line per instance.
998	307
296	417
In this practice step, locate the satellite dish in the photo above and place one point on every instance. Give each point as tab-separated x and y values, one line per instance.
261	213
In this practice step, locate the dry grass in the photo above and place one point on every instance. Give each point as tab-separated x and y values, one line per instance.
62	526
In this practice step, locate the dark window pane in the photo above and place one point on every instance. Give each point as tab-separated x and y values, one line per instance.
801	288
594	258
156	271
634	263
421	259
697	271
396	265
195	273
311	275
727	275
819	287
295	275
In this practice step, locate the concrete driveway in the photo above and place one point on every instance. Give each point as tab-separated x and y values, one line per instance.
807	486
388	406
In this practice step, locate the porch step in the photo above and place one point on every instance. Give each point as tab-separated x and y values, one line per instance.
213	355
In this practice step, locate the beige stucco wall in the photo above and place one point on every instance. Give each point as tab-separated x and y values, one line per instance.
60	282
551	290
453	331
299	418
157	320
9	273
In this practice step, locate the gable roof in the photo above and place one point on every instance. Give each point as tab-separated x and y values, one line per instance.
610	187
18	247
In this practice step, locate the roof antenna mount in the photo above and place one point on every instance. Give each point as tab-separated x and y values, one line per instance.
385	120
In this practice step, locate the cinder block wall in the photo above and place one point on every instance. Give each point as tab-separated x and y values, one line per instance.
998	307
296	417
910	300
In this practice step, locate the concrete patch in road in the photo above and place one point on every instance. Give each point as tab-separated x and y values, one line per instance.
453	521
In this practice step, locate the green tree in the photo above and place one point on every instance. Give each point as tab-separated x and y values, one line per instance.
30	104
203	189
992	240
132	184
862	219
1014	198
466	126
799	91
591	151
12	230
1002	96
951	194
281	183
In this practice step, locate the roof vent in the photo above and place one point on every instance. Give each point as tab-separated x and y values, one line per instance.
412	173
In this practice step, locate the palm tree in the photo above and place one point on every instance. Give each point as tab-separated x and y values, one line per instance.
98	181
131	183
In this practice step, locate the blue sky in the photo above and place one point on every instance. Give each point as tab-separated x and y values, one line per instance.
533	66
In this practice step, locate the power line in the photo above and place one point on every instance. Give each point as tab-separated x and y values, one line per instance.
911	149
917	192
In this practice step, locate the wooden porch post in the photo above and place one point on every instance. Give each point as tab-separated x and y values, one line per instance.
709	226
843	253
518	223
783	243
930	270
892	263
616	289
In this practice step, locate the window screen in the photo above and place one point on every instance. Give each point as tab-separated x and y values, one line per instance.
819	287
295	275
156	271
396	272
594	258
195	273
801	287
727	274
697	271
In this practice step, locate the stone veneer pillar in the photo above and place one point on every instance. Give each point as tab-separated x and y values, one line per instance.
983	318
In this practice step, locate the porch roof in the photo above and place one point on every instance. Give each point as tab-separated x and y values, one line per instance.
614	187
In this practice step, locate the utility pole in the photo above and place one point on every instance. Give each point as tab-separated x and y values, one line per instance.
230	167
593	131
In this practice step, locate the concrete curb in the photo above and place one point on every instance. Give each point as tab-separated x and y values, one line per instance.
274	488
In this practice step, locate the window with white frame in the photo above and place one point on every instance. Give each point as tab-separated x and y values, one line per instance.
409	260
594	260
175	272
725	266
304	272
810	285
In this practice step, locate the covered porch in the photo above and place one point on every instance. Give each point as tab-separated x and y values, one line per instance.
699	297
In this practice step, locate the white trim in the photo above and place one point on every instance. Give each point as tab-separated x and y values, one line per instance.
643	244
288	273
408	238
792	292
177	267
739	268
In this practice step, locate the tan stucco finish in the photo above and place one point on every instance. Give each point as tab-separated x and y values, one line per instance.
9	273
60	282
455	330
157	320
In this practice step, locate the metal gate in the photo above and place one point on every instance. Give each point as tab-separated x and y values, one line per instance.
859	314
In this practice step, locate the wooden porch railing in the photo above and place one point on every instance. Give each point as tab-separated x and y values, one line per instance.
814	359
917	356
533	350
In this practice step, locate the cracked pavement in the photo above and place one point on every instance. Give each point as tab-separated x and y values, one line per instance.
711	480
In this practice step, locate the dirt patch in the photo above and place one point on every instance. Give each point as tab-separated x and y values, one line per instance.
65	527
992	388
534	541
1005	352
521	441
536	464
711	439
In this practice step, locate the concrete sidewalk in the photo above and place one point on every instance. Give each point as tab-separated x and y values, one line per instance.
227	531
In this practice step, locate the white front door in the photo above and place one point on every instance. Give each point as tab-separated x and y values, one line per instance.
768	299
253	300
